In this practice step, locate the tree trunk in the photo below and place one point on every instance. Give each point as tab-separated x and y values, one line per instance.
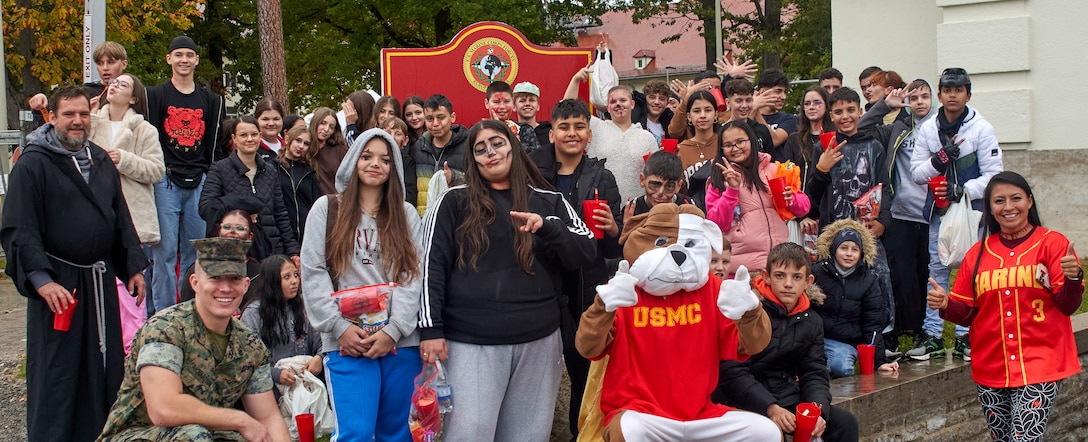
708	33
28	47
772	27
273	64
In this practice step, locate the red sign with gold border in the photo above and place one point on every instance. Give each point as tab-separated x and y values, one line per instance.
479	54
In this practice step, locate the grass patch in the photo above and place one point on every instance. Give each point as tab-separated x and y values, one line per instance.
21	373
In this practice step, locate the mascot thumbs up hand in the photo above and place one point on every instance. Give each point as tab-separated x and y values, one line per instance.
735	297
620	290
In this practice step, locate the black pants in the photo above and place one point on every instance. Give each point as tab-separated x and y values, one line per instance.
907	245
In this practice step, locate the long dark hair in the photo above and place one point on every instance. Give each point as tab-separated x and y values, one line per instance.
480	209
400	260
1011	178
384	100
267	287
336	139
705	96
804	126
749	168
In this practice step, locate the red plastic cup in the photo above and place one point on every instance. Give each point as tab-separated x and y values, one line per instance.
827	140
305	424
588	206
63	321
778	191
718	98
937	182
866	355
670	145
807	415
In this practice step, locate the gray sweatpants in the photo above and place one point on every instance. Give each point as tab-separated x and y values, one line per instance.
503	392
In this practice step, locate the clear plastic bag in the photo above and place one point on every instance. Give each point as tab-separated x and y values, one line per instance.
366	306
959	231
424	418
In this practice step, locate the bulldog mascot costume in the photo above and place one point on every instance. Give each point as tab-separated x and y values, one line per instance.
665	323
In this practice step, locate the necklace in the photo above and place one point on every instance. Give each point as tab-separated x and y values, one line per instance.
701	146
1019	233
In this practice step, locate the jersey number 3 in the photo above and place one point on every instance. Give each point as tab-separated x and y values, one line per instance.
1038	306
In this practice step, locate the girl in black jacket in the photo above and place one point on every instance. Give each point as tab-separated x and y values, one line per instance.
243	172
298	181
491	290
854	312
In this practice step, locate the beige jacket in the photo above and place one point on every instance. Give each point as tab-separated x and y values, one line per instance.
141	166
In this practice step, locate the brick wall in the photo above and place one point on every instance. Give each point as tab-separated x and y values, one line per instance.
936	401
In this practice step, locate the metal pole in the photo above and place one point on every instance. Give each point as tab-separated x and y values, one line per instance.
94	33
717	29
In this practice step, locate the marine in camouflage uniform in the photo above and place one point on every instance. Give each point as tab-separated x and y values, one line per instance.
178	340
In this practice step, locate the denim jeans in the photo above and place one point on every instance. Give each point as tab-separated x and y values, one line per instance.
933	324
840	358
179	222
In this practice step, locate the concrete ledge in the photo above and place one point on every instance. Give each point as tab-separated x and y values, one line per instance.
936	400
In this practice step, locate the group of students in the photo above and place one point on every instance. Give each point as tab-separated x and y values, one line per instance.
493	264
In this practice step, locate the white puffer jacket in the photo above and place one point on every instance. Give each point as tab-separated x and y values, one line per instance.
978	137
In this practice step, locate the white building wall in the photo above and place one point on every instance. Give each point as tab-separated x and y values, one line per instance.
1027	60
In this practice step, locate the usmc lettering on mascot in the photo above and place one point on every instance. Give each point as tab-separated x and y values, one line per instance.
687	314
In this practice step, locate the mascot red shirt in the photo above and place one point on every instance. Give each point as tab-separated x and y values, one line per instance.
666	323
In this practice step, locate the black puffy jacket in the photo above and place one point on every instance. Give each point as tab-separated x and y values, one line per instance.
792	369
299	187
854	308
228	176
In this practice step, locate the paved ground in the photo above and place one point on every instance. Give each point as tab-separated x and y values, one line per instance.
13	387
12	348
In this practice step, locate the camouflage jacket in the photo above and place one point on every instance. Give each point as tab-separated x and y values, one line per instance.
176	339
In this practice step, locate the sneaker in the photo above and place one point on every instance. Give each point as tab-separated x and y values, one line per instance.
891	355
929	347
963	348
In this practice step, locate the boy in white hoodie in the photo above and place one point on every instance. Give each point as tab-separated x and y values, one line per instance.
959	144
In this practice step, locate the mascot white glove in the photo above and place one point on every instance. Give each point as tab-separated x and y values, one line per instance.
735	297
620	290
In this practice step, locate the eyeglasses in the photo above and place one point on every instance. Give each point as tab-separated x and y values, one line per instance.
233	228
670	186
736	145
813	103
484	149
115	83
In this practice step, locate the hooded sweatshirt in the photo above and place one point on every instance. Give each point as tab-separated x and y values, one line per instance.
900	138
366	267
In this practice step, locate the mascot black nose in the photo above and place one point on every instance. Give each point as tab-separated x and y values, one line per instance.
679	257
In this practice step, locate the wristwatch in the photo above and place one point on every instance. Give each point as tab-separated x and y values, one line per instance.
1080	275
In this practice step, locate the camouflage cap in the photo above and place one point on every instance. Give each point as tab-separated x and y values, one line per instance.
221	256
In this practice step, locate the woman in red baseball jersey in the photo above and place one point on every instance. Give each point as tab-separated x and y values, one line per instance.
1016	289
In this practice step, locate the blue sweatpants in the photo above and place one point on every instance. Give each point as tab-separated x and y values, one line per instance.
371	397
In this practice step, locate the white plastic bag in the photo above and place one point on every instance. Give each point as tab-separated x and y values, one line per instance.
959	231
436	186
308	395
602	77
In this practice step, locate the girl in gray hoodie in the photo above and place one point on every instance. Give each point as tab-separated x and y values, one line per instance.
366	234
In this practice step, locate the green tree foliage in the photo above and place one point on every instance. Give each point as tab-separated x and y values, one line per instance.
332	46
792	35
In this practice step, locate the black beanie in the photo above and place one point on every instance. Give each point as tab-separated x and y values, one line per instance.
181	42
844	235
